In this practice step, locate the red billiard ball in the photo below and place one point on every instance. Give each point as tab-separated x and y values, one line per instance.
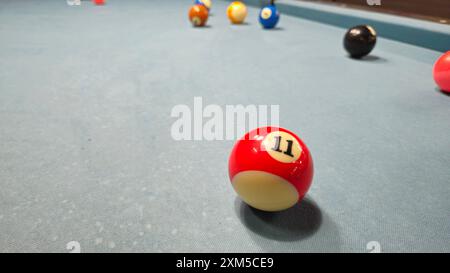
441	72
270	168
99	2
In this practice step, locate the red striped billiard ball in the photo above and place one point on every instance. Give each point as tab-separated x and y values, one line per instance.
270	168
441	72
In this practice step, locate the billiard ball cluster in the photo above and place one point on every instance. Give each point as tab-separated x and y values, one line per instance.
271	168
236	13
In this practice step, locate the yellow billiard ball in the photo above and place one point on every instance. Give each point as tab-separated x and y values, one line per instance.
237	12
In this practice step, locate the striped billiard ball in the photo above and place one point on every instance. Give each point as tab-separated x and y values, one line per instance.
270	168
198	15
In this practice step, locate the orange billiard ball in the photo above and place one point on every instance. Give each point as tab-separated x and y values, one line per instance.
198	15
441	72
270	168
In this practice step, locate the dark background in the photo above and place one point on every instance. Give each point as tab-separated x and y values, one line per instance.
435	10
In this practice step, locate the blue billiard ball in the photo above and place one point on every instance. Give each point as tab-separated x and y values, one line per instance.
269	16
206	3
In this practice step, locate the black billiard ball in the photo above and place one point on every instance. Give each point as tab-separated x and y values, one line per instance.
360	40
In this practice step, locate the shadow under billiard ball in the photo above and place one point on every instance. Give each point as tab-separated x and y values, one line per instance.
369	58
274	29
437	89
296	223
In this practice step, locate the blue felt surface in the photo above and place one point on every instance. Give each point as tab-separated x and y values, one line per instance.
86	153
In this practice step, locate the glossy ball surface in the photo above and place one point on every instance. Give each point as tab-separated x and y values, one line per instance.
441	72
237	12
359	41
270	168
269	16
198	15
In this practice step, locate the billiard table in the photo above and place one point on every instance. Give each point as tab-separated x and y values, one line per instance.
88	162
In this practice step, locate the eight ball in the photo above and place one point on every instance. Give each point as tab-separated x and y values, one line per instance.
359	41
